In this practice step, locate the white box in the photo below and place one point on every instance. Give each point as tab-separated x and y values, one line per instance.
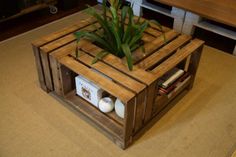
88	90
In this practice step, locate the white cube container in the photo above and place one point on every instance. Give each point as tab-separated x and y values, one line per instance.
88	90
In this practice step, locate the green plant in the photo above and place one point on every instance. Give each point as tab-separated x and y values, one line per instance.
115	36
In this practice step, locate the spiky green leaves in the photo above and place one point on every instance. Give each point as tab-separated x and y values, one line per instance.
119	37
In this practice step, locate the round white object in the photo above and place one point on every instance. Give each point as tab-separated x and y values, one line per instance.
120	108
106	105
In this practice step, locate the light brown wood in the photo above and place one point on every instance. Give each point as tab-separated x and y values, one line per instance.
112	73
40	71
136	73
44	40
56	76
47	71
95	115
66	79
106	84
177	58
152	46
67	39
151	94
193	64
222	11
140	110
63	51
129	120
163	52
147	37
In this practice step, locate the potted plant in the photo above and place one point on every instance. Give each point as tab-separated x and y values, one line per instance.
116	36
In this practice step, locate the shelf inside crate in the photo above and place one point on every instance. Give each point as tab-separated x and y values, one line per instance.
163	99
108	121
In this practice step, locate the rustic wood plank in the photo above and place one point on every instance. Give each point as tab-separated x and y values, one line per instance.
106	84
116	118
39	67
67	39
150	47
140	110
114	74
63	51
67	79
151	95
47	71
193	64
69	49
95	115
129	120
147	38
56	76
177	58
163	52
158	116
67	30
153	32
53	57
115	62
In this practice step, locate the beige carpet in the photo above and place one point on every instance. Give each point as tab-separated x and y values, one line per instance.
34	124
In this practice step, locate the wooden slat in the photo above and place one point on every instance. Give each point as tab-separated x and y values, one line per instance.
67	79
150	47
67	39
53	57
112	73
163	52
115	62
153	32
140	110
151	94
46	71
69	49
95	115
56	76
177	57
38	63
63	51
147	38
106	84
129	119
116	118
63	32
193	64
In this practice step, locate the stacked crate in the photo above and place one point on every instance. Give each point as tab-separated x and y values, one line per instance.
138	89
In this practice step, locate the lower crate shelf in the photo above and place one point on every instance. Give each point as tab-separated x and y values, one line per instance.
109	122
162	100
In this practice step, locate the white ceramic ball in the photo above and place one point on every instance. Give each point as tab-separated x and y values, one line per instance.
120	108
106	105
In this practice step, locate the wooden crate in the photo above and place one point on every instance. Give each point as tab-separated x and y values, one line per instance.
138	89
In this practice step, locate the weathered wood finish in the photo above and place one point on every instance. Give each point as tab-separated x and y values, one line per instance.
57	67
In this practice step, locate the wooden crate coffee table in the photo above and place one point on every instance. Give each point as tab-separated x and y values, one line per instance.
137	89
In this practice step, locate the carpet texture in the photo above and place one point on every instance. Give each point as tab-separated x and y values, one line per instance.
33	123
